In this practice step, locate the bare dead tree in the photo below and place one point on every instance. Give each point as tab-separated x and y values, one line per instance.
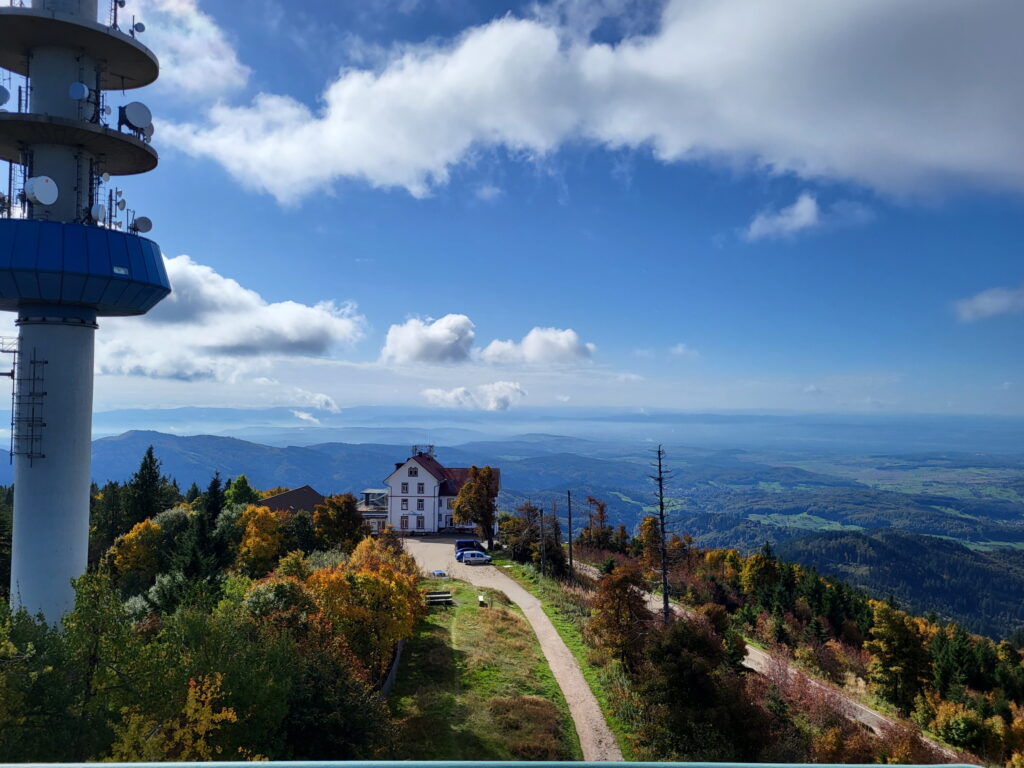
659	480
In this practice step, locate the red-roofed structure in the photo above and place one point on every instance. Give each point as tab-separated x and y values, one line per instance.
304	498
422	491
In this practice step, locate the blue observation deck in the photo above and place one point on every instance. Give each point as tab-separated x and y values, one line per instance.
76	265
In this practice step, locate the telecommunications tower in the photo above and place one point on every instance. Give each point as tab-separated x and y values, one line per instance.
69	253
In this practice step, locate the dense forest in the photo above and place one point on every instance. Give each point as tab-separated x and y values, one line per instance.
966	689
983	590
210	627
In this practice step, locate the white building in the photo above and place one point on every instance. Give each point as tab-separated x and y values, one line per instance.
421	493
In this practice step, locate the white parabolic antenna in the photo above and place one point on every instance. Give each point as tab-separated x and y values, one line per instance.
98	212
121	205
142	224
137	115
78	91
139	27
148	131
41	190
5	95
105	177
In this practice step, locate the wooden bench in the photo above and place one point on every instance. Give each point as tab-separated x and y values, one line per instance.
438	598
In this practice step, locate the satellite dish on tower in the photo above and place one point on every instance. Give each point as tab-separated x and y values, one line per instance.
5	95
120	3
142	224
139	27
104	177
137	115
121	205
41	190
78	91
98	212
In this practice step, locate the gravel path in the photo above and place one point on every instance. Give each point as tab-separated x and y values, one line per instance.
596	738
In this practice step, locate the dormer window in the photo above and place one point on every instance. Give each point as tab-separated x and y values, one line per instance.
414	471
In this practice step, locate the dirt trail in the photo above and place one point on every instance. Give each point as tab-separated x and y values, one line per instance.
596	738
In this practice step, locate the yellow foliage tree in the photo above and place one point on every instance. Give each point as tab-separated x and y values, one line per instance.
374	600
186	736
261	541
135	553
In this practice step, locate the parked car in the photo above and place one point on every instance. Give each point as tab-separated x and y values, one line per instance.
473	557
463	544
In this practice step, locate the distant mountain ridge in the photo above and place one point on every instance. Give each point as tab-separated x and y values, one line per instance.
984	591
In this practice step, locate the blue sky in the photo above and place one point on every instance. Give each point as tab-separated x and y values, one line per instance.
695	205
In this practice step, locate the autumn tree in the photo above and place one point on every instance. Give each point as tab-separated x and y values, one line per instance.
476	502
900	664
261	541
135	557
338	522
597	534
620	617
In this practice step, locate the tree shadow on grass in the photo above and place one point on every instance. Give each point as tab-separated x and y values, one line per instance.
428	713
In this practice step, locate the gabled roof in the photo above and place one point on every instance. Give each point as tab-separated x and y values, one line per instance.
451	479
297	498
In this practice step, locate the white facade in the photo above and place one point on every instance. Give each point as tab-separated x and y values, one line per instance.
415	501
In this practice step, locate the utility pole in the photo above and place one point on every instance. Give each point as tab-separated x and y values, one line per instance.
572	570
660	480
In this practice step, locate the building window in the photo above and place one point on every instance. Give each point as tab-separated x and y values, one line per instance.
414	471
405	522
419	505
405	504
405	487
419	488
419	523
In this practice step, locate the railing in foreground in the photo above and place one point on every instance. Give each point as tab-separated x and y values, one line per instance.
445	763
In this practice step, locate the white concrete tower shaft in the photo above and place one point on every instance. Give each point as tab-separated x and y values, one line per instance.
52	464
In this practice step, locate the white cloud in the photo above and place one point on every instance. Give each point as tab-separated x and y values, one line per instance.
446	340
307	417
842	90
210	327
683	350
540	346
497	396
990	303
196	57
803	214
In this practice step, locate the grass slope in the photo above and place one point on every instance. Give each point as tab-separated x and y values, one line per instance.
608	683
473	684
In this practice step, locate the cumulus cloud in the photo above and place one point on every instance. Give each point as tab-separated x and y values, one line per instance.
211	327
196	57
841	90
803	214
446	340
540	346
497	396
990	303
